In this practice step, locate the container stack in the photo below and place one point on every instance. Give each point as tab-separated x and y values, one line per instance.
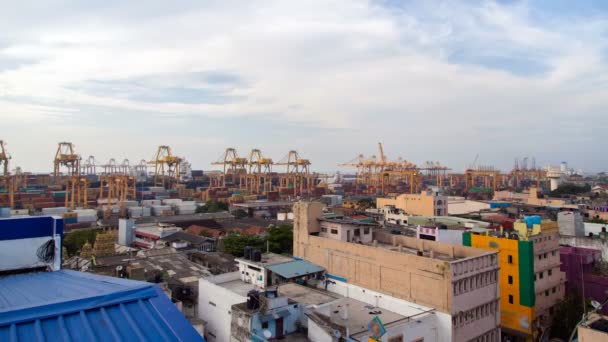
186	208
58	211
70	217
162	210
86	215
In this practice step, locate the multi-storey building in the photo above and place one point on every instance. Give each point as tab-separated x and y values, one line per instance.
530	279
460	283
427	203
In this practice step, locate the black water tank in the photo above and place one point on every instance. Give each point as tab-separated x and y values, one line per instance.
253	300
247	252
256	255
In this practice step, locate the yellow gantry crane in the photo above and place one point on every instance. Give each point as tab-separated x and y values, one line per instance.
258	180
233	167
66	157
166	167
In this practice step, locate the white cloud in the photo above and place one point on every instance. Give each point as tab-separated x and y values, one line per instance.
353	65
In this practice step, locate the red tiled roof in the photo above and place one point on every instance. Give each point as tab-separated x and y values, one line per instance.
253	230
197	230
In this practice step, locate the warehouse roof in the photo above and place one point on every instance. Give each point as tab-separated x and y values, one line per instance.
295	268
69	305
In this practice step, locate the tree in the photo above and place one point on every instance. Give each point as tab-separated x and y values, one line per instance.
74	241
568	312
597	220
235	244
212	206
280	239
240	213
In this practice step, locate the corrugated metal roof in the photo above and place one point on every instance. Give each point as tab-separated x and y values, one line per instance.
75	306
295	268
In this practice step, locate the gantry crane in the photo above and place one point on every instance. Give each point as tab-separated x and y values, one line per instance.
297	175
115	190
66	157
90	166
125	167
76	192
258	180
489	176
379	174
4	159
166	167
522	173
233	166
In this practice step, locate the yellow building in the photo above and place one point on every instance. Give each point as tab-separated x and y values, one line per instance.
531	282
516	281
427	203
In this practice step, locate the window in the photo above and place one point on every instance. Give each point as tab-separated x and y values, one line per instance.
553	290
550	272
510	259
547	293
540	257
365	231
254	268
510	299
540	275
357	232
510	280
323	230
334	231
264	325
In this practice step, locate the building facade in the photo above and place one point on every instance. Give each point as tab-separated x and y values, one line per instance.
531	283
459	281
427	203
584	274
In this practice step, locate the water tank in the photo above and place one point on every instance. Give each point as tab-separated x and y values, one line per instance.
256	255
247	252
253	300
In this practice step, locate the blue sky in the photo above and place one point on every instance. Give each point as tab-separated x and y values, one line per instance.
432	80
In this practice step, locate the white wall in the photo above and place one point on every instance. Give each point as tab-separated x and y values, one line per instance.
459	207
252	276
316	334
214	307
441	321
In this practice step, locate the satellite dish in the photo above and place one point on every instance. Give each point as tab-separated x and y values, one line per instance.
84	268
337	334
267	333
595	304
119	268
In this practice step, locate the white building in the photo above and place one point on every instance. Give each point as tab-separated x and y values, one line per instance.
347	230
216	295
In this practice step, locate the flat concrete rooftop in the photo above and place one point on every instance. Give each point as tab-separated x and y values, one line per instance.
268	259
360	314
306	295
237	286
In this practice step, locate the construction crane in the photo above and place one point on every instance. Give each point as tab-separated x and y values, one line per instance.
166	167
66	157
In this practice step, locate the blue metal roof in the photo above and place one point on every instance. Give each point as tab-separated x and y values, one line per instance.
75	306
295	268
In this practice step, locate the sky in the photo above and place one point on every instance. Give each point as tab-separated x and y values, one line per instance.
432	80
